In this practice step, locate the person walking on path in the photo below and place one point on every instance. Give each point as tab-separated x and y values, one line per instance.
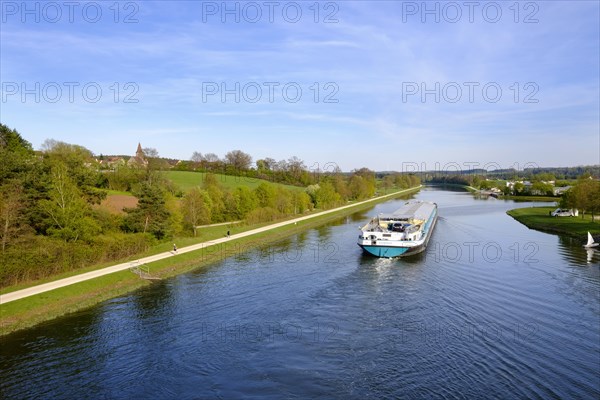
228	234
174	248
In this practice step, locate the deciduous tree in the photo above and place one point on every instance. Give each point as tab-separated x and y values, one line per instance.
326	196
67	213
238	160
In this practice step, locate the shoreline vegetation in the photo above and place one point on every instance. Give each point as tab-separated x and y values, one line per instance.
538	218
522	198
36	309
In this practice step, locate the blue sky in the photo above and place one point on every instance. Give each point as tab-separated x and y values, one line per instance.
396	87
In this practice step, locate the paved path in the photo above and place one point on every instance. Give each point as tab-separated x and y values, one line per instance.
219	224
19	294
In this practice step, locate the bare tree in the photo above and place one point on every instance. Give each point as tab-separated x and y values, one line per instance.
150	152
197	157
270	163
295	166
238	159
280	166
211	157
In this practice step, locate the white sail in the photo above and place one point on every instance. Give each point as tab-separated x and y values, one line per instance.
590	241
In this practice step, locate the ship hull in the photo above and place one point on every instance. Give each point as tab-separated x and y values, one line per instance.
387	252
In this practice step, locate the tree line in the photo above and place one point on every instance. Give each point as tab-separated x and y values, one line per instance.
583	196
539	184
52	221
531	174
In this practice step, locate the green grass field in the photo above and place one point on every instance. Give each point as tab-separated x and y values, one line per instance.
538	218
187	180
111	192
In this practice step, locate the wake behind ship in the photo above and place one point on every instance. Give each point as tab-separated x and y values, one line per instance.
402	233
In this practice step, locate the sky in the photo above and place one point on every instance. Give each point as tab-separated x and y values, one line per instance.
392	85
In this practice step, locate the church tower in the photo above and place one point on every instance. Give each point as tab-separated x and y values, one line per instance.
139	160
139	153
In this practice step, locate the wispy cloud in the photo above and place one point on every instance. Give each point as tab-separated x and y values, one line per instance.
369	54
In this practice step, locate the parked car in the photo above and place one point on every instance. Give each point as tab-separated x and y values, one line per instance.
562	212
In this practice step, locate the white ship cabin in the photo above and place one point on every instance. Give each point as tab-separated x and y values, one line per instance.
393	227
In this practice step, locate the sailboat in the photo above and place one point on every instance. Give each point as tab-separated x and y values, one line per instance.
590	242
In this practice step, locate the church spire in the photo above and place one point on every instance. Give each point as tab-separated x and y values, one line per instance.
139	160
139	153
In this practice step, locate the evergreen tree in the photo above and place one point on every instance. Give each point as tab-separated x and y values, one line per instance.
17	161
12	212
15	152
151	214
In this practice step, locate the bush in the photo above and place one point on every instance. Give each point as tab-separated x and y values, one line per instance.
263	214
40	256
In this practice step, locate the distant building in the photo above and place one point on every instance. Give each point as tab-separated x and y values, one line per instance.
110	162
139	160
560	190
115	161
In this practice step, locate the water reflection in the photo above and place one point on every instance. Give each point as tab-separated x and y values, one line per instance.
590	255
446	188
573	252
325	231
357	218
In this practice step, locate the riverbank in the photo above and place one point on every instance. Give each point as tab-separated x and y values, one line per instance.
500	196
35	309
530	198
539	218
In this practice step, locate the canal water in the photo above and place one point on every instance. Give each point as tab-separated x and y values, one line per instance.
490	310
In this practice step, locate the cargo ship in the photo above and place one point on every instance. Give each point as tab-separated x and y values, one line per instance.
402	233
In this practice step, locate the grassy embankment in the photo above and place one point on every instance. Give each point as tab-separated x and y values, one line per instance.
530	198
36	309
539	218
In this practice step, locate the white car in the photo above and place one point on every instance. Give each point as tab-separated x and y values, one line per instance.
562	212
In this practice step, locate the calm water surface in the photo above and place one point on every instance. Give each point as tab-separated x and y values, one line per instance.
490	310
